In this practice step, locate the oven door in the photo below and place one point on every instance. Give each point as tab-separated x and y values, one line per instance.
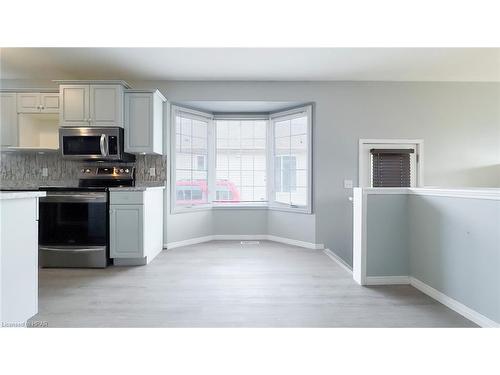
90	143
73	229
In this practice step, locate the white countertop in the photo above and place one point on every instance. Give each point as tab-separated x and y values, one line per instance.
21	194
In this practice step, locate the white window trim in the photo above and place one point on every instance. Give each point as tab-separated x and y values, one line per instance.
362	165
283	116
268	205
173	189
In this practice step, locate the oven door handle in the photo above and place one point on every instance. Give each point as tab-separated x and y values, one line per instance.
67	198
103	145
72	249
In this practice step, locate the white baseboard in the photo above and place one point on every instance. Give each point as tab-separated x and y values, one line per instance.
453	304
387	280
243	237
338	260
289	241
239	237
191	241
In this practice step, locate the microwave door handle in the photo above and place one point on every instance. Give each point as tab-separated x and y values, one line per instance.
104	151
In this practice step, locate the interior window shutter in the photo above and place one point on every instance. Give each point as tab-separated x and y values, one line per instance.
391	167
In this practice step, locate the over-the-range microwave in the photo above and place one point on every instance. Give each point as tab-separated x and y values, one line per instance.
93	143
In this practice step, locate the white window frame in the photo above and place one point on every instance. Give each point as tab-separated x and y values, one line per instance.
203	116
242	117
283	116
271	204
364	167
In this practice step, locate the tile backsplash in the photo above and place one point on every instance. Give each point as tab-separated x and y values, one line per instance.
17	168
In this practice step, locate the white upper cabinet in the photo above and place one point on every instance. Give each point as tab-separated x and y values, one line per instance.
74	105
49	102
8	120
144	122
106	105
28	103
92	103
36	102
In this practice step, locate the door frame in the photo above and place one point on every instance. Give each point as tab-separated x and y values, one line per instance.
419	152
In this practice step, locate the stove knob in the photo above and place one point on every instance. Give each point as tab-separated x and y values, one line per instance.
121	170
87	170
83	170
126	170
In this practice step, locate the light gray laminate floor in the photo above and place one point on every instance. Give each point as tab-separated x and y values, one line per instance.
225	284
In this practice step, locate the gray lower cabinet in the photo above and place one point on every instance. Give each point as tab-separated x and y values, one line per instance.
126	231
136	226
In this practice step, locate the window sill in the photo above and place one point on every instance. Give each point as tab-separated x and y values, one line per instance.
241	206
253	206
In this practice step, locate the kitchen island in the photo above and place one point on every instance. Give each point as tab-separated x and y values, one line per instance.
18	257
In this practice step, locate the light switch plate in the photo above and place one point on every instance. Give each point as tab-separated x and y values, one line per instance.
348	184
45	172
152	172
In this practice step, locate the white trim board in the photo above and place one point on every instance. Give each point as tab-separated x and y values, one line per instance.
453	304
387	280
244	237
435	294
330	254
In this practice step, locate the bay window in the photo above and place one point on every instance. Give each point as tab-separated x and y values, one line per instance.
241	161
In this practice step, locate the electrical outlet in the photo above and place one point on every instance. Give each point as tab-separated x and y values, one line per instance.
348	184
45	172
152	172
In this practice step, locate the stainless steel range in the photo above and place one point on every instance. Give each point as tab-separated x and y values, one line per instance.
74	221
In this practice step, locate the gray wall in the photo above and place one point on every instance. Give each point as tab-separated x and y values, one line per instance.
387	235
450	244
454	246
459	122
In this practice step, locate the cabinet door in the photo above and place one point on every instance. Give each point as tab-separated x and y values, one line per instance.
49	103
126	231
106	105
28	102
8	119
139	123
74	105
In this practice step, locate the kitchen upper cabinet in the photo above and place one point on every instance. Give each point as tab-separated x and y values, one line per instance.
49	103
75	106
92	104
8	119
36	102
144	122
28	103
106	105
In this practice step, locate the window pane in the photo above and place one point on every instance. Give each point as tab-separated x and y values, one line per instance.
183	161
199	145
200	129
298	196
241	152
282	129
235	177
299	126
191	175
291	160
186	126
282	146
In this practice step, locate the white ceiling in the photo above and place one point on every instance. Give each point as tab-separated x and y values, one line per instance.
266	64
239	106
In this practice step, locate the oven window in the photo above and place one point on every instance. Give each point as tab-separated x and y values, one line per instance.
73	224
82	145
